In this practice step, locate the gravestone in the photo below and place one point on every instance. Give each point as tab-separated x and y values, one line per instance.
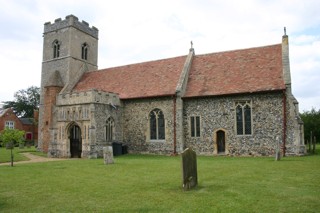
278	155
278	152
189	169
108	155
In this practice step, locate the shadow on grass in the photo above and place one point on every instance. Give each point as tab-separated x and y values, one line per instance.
3	205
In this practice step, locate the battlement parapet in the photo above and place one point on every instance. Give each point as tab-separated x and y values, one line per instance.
88	97
73	21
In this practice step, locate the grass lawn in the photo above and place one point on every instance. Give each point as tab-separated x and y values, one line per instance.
5	154
144	183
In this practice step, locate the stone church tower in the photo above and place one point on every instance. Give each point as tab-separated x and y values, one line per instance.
70	48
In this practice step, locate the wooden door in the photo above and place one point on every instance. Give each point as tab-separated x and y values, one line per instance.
75	142
221	141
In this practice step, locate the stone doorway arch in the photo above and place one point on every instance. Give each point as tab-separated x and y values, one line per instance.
220	142
75	141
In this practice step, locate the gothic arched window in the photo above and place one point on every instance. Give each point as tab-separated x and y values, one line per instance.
109	129
157	125
243	118
84	51
56	49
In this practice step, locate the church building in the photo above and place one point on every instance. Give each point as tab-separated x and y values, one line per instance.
236	103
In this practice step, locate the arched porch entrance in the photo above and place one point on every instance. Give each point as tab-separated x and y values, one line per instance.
75	141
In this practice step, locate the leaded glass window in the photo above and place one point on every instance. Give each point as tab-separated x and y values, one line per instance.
157	125
243	118
109	129
195	126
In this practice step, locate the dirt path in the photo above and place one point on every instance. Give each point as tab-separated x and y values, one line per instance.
34	159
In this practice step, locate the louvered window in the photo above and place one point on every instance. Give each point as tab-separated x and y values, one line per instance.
84	51
56	49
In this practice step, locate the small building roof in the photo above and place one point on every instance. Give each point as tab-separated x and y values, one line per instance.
3	111
27	121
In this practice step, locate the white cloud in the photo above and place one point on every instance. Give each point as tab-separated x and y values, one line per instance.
305	66
142	30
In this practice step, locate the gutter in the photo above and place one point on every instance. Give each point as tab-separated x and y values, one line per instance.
174	125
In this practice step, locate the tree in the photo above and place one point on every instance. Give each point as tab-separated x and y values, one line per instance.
311	120
12	136
25	102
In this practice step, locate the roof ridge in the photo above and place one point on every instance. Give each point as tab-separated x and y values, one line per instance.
3	111
237	71
137	63
241	49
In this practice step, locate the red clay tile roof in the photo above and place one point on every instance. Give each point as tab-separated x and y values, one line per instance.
232	72
148	79
239	71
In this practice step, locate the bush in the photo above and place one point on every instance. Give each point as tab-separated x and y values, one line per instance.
311	120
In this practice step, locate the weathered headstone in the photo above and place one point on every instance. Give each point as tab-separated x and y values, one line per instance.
314	145
108	155
310	142
278	152
21	145
278	155
189	169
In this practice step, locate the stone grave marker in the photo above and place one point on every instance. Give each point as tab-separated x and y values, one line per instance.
278	155
108	155
278	152
189	169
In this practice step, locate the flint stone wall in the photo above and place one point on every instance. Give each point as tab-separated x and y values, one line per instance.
218	113
136	127
132	125
100	113
295	130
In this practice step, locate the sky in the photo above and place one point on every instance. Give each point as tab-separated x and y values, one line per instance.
132	31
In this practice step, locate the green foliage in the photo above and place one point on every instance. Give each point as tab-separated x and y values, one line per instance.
11	135
26	100
140	183
311	120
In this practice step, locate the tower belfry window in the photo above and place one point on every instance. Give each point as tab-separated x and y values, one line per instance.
84	51
56	49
